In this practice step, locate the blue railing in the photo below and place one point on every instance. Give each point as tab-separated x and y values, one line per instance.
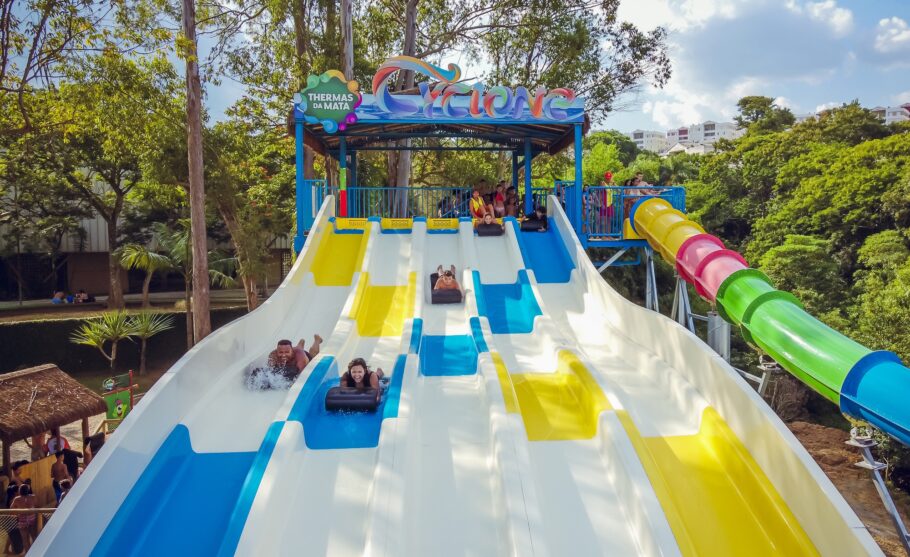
605	208
401	202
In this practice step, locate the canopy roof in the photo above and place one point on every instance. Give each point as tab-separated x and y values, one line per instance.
501	118
40	398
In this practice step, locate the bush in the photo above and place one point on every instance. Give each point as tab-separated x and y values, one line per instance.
32	343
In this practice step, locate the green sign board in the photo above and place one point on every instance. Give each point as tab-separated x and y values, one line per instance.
330	100
119	404
117	382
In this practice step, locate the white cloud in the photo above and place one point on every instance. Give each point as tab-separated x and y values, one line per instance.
892	35
840	20
669	114
784	102
826	106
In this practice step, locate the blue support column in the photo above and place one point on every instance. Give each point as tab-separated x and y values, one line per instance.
515	170
304	192
529	195
577	194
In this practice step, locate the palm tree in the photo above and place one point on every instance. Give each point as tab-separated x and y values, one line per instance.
175	245
111	327
144	326
136	256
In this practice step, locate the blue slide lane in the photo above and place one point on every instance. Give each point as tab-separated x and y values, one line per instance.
510	308
181	504
344	430
477	332
545	253
448	355
248	492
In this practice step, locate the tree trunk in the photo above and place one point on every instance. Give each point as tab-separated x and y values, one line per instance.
301	46
347	39
202	324
145	289
142	357
115	291
187	300
249	290
114	356
402	165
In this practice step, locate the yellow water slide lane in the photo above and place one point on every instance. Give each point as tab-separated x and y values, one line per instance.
380	311
716	498
338	257
559	406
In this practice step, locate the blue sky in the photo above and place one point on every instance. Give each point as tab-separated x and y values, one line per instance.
807	54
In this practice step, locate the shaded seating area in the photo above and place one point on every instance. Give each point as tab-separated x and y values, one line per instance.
32	402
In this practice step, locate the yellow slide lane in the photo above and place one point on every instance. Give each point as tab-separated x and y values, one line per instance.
338	257
559	406
716	498
380	311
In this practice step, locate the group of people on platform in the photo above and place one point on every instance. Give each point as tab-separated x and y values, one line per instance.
19	493
61	297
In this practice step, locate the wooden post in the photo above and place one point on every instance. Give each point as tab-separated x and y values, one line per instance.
85	430
7	458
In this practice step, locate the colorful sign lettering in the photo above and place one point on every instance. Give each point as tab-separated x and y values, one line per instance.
329	99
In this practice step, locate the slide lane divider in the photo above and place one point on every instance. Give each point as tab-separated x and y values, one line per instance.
868	385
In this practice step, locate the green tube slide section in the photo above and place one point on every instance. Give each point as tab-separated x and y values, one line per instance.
776	322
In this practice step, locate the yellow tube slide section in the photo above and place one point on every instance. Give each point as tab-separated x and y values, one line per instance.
380	311
338	257
716	498
559	406
665	229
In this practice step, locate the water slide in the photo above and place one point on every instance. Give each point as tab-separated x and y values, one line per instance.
544	415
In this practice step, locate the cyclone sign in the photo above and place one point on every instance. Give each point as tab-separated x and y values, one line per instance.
330	100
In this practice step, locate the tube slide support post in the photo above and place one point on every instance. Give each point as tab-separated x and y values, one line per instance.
719	335
650	281
865	444
304	194
682	309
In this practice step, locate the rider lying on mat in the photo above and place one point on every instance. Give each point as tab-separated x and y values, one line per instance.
359	376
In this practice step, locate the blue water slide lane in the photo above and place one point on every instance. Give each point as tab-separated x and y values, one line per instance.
510	308
448	355
346	430
477	333
416	333
160	515
545	253
248	492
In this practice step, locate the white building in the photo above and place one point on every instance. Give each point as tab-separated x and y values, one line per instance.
893	114
689	148
649	140
706	132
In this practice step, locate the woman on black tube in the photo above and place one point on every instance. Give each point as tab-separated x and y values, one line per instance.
358	376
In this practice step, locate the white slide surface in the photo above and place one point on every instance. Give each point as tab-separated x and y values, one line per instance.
540	416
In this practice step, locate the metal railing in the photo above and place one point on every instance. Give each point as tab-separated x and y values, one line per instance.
418	201
605	208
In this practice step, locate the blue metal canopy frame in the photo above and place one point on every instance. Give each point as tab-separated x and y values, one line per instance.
525	126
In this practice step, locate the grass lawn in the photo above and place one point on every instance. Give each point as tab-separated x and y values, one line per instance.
93	380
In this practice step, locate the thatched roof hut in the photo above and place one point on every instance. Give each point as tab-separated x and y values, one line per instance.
40	398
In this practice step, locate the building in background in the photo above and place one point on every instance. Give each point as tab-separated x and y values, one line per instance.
893	114
648	140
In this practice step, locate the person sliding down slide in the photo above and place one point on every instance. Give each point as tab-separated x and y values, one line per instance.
284	364
359	377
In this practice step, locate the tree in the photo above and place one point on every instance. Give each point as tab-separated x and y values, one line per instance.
144	326
803	265
114	106
111	327
202	320
136	256
761	115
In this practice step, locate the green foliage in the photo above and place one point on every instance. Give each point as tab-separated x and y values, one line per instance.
803	265
761	115
111	327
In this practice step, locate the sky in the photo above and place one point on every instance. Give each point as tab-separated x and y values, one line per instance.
809	55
